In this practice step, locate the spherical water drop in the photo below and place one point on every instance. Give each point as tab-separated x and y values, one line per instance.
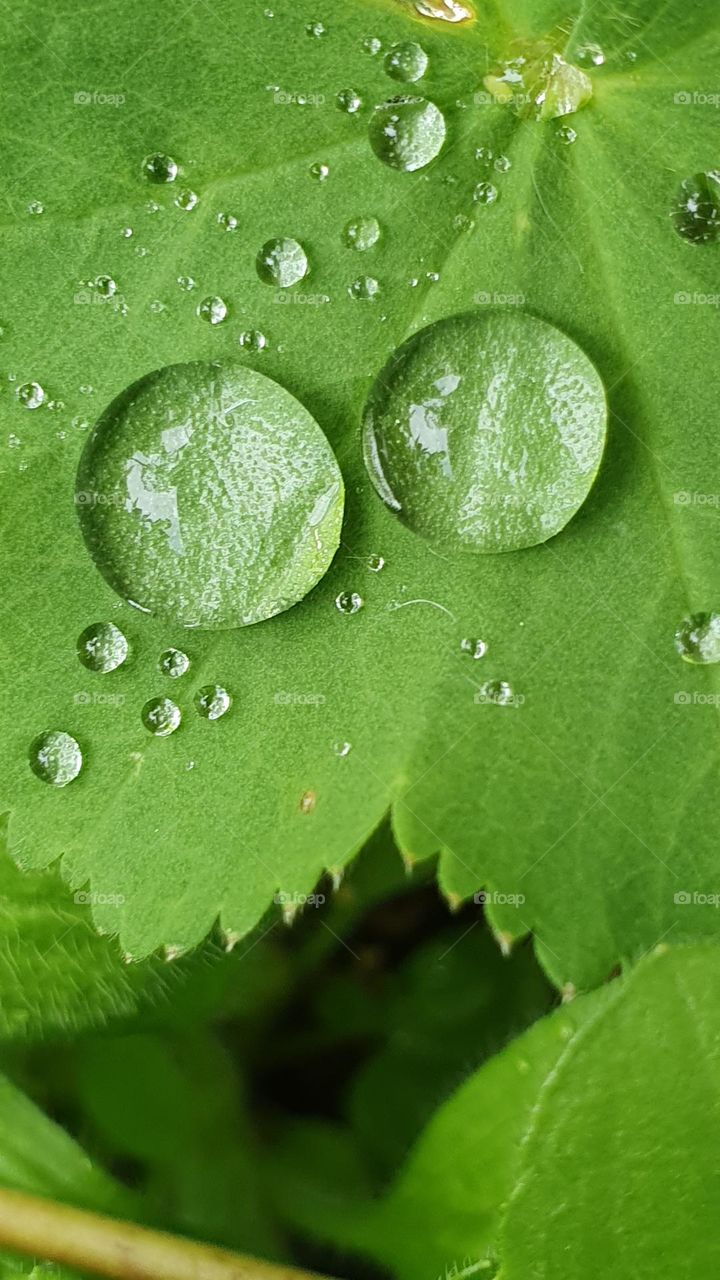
126	233
55	757
474	648
282	263
212	701
348	602
371	45
227	221
316	29
320	172
696	215
484	155
697	640
159	168
31	395
590	55
173	663
503	164
407	61
253	340
35	207
365	287
102	647
485	193
186	282
216	499
342	749
407	133
567	134
375	563
362	233
106	286
161	717
187	200
349	101
485	432
213	310
498	692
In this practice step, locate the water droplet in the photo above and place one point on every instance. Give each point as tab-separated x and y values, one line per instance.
698	638
484	155
161	717
126	233
442	10
362	233
208	495
308	800
282	263
474	648
407	61
35	207
159	168
364	287
485	193
86	389
502	164
319	171
55	406
55	757
462	222
228	221
157	307
212	701
141	251
173	663
499	692
567	134
348	100
342	749
375	564
102	647
349	602
152	206
187	200
371	45
407	133
696	215
253	340
485	432
316	29
539	82
590	55
106	286
214	310
186	282
31	395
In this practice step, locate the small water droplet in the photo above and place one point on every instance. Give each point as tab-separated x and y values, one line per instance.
282	262
252	340
484	155
126	233
214	310
102	647
567	134
186	282
462	222
159	167
696	215
31	395
227	221
407	133
173	663
187	200
106	286
590	55
349	602
157	307
499	692
342	749
406	61
86	389
141	251
503	164
375	563
35	207
474	648
485	193
212	701
697	639
362	233
55	757
365	287
161	717
349	101
319	171
371	45
316	29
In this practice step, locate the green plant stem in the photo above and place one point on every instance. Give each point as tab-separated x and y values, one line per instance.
120	1250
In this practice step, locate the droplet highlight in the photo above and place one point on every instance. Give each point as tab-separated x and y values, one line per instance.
56	758
102	647
407	133
161	717
697	639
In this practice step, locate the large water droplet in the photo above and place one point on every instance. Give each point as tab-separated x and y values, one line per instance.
161	717
212	701
159	167
696	214
102	647
187	200
485	432
540	82
55	757
349	602
698	638
214	310
407	61
362	233
173	663
208	495
485	193
407	133
31	395
282	262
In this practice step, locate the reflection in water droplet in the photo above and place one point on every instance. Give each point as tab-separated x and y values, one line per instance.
105	285
212	701
161	717
282	262
485	193
159	168
55	757
407	61
364	287
213	310
590	55
216	499
228	221
567	134
698	638
252	340
186	282
102	647
349	101
348	602
407	133
371	45
474	648
498	692
35	207
320	172
362	233
485	432
173	663
186	200
342	749
31	395
696	215
375	563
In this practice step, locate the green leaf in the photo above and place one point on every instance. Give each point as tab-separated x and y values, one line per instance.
588	799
